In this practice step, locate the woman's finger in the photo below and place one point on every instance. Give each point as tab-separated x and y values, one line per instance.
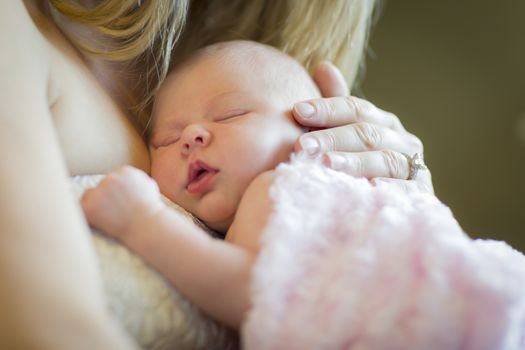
384	163
329	80
337	111
381	166
359	137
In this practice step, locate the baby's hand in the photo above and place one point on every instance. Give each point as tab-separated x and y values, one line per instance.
121	201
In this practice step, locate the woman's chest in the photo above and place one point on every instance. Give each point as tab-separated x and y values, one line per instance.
93	130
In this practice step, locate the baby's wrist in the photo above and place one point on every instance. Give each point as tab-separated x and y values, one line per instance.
142	223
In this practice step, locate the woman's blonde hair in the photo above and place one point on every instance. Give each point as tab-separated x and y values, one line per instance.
310	31
146	30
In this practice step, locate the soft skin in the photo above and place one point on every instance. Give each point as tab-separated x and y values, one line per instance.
233	116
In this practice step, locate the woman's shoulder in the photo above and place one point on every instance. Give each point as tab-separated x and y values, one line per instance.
26	49
23	15
22	45
24	66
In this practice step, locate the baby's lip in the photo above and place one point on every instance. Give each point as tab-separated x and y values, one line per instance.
198	173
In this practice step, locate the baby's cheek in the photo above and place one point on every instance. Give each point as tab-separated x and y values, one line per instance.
167	181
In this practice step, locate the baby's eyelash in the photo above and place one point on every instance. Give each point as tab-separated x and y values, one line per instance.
166	142
232	114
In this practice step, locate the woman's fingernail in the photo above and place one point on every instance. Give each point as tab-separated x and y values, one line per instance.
310	145
305	109
335	161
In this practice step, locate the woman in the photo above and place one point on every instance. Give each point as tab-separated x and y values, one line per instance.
76	86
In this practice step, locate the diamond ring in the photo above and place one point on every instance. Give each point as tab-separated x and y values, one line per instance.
415	163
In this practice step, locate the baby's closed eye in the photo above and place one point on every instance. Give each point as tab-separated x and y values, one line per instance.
231	115
165	141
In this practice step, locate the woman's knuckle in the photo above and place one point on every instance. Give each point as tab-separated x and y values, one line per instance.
358	165
327	109
354	107
369	135
393	161
396	122
330	140
416	143
419	144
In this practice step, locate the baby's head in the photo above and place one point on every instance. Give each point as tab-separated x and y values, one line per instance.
222	118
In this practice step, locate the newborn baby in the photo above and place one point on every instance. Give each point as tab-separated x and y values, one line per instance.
221	123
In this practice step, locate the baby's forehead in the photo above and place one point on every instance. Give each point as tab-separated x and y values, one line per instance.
244	55
276	73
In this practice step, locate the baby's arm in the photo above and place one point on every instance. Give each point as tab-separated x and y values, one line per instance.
212	273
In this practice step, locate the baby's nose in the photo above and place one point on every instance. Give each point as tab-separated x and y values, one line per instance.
194	136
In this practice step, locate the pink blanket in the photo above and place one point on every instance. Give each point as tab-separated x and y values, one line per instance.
348	265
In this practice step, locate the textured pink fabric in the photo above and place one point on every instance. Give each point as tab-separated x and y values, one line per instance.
346	265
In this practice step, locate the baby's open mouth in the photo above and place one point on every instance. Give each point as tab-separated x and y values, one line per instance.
200	176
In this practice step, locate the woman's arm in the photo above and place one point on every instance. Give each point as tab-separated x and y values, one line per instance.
51	295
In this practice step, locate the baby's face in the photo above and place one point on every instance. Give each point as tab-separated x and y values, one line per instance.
216	127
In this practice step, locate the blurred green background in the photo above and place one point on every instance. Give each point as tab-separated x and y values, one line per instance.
454	73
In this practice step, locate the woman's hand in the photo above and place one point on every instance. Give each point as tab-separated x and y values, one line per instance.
121	201
358	138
